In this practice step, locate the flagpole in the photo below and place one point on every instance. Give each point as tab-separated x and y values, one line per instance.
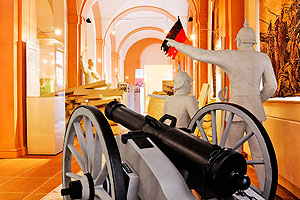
179	68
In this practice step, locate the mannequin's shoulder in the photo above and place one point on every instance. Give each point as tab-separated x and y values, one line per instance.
187	97
191	98
251	52
263	56
225	51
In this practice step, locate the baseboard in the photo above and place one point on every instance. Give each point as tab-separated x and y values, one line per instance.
289	186
13	153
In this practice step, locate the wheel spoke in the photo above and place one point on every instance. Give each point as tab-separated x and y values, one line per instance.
100	192
90	142
258	191
227	128
255	162
102	175
81	140
78	157
202	132
72	175
243	140
265	167
224	120
86	124
214	127
97	157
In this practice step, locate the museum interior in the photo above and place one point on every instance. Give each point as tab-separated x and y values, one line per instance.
60	57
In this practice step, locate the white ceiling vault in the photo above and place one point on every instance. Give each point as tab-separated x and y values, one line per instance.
129	21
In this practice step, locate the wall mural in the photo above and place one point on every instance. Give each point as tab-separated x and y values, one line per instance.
280	39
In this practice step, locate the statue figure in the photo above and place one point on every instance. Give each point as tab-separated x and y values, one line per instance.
90	73
245	68
181	105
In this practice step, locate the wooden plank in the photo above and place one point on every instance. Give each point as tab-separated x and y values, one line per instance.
72	98
203	95
94	96
69	91
97	84
70	106
67	100
83	92
80	100
99	102
86	92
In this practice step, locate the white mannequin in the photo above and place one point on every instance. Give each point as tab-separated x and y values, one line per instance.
90	74
181	105
245	69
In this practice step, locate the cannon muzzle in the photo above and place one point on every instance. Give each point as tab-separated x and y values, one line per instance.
222	171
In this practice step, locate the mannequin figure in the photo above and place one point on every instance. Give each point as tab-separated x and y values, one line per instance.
181	105
90	73
245	68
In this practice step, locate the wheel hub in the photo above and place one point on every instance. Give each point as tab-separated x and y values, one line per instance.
81	189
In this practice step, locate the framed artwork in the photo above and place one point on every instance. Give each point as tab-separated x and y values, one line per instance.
280	39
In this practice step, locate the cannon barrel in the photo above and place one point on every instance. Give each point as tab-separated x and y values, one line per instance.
222	171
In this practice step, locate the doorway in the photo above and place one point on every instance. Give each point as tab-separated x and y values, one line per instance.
153	77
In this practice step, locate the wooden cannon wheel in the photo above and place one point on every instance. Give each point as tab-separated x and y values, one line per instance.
97	156
219	137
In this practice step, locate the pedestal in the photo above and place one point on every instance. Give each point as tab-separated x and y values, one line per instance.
45	124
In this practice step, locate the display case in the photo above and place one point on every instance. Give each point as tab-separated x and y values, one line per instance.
45	96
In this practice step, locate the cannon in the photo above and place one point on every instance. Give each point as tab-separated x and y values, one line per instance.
159	161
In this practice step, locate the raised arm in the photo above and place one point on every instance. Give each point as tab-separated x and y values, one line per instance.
219	58
83	68
269	82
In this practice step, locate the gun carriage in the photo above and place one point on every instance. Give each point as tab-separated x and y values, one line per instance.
159	161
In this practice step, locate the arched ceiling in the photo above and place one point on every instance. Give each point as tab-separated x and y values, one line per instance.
123	17
144	34
130	21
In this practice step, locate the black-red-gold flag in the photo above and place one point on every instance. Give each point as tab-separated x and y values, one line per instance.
176	33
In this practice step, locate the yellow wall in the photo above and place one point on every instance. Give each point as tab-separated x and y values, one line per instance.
283	125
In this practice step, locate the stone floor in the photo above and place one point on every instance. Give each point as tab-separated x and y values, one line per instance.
39	177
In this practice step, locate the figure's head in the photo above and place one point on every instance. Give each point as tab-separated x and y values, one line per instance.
90	63
246	35
182	82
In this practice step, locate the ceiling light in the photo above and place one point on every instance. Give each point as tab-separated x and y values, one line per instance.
193	37
113	32
57	32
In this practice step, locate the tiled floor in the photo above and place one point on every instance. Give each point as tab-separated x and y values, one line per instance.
29	178
33	177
